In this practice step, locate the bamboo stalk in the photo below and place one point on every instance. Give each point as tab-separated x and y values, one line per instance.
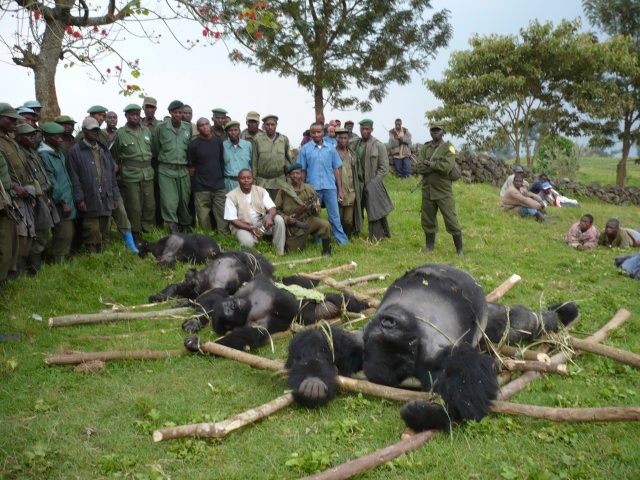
363	279
622	356
519	353
291	263
82	357
603	414
221	429
90	318
503	288
531	366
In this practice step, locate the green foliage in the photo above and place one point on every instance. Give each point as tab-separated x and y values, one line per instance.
309	461
557	157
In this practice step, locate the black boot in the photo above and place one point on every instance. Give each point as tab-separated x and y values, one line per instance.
430	242
34	265
326	247
457	241
173	228
539	217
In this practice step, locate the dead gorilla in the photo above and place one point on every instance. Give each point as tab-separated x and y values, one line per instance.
428	326
258	309
226	273
180	247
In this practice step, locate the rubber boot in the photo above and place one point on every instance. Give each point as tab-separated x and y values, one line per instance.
430	242
457	241
129	242
34	265
326	247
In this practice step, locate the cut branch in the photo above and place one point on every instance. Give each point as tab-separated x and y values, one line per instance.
330	271
531	366
363	279
604	414
82	357
622	356
514	352
291	263
503	288
105	317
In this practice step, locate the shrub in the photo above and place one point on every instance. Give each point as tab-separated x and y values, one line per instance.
557	157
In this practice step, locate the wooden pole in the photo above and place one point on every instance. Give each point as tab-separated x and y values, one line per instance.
82	357
363	279
221	429
90	318
531	366
622	356
514	352
291	263
503	288
375	291
124	308
607	414
330	271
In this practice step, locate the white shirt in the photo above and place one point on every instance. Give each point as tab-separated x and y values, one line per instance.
231	210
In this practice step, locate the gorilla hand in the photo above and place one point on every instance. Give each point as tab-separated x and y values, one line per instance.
192	325
313	389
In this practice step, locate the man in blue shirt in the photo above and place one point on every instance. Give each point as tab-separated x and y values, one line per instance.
237	155
323	164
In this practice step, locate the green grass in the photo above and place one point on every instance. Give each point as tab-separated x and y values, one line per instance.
58	424
602	170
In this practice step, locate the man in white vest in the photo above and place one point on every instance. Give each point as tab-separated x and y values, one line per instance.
252	214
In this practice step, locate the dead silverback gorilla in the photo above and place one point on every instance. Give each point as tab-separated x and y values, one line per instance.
180	247
427	326
228	271
258	309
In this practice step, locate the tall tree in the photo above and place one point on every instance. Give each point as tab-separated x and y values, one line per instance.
332	47
507	85
621	110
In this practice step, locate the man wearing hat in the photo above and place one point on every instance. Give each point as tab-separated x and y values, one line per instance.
271	157
45	213
22	186
252	214
322	164
374	160
348	126
299	209
150	105
169	145
69	125
219	119
350	207
237	154
99	113
509	181
131	150
253	126
28	116
33	105
51	151
9	218
437	159
95	190
206	166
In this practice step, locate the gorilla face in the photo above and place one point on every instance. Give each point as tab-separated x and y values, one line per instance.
229	314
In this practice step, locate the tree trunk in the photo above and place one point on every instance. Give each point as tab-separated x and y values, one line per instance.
45	69
621	167
318	100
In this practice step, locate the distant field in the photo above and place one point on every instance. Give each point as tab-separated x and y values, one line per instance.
602	170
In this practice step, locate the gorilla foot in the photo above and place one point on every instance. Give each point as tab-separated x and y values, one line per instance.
192	343
313	389
420	415
192	325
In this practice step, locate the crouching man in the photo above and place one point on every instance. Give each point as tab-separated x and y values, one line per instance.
252	214
299	206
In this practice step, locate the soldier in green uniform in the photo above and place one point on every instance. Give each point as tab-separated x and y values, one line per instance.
69	125
271	157
436	160
169	144
8	216
219	119
253	126
350	207
131	150
45	213
150	105
51	151
300	213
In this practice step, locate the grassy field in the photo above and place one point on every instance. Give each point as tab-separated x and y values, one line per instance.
59	424
602	170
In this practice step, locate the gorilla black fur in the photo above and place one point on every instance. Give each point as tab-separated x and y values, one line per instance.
258	309
228	271
180	247
428	325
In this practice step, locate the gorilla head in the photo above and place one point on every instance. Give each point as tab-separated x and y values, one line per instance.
230	313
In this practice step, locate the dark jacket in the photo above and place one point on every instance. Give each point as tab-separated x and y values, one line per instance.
97	191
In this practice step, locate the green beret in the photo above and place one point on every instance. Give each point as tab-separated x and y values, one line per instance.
232	123
97	109
53	128
253	116
7	110
150	101
367	122
219	111
132	107
64	119
175	104
268	116
24	129
294	166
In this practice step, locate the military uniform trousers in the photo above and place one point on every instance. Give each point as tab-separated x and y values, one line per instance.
211	202
174	197
62	237
430	209
8	245
95	232
39	244
140	204
317	226
347	218
121	218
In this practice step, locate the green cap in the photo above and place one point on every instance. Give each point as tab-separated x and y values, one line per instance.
342	131
53	128
253	116
367	122
232	123
294	166
97	109
219	111
268	116
24	129
65	119
437	127
150	101
7	110
132	107
175	104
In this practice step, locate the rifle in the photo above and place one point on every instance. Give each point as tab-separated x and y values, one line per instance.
12	210
300	209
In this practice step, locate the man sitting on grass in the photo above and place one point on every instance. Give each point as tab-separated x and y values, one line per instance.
583	235
616	236
518	199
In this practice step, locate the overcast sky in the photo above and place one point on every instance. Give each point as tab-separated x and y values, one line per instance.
206	79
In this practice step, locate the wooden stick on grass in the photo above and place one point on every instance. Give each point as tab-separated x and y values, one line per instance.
90	318
363	279
622	356
291	263
330	271
503	288
515	352
603	414
532	366
81	357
